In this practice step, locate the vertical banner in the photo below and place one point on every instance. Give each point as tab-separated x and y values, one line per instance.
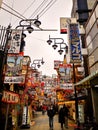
74	40
15	41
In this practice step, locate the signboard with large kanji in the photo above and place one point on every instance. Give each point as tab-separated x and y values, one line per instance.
74	40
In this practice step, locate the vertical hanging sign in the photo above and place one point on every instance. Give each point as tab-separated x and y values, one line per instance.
75	49
15	41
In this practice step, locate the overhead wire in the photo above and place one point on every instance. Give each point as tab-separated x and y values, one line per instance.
20	16
46	8
38	9
28	7
13	10
11	13
25	11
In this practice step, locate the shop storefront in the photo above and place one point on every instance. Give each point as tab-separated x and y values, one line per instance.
10	101
90	83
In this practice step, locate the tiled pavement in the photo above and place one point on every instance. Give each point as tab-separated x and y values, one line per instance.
41	123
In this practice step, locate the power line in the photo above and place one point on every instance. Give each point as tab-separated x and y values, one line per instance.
43	11
46	8
13	10
28	7
38	8
11	13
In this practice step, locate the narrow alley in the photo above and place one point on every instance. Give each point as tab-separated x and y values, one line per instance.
40	122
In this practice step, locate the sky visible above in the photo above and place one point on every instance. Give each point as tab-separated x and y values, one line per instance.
49	12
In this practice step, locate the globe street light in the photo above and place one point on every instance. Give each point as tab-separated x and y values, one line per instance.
37	62
59	41
26	25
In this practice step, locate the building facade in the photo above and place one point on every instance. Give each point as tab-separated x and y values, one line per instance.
86	13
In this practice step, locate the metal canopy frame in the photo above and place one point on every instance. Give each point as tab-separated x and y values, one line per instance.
86	81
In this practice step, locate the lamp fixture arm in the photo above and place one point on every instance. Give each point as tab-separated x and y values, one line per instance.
55	39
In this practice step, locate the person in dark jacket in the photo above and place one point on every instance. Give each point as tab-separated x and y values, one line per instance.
66	113
51	113
61	117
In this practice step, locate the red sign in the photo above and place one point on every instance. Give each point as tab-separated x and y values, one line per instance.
10	97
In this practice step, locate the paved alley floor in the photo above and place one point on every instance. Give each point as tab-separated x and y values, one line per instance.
41	123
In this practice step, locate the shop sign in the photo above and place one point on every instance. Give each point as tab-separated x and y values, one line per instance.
26	60
75	48
63	25
15	42
14	66
15	80
10	97
56	64
66	86
64	22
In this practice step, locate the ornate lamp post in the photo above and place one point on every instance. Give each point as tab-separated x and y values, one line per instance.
37	62
26	24
59	41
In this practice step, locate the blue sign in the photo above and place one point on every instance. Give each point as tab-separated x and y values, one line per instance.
75	44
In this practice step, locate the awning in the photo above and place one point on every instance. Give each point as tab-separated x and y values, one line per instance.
86	81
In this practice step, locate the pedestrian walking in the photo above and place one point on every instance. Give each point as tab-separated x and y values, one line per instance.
61	117
66	113
51	113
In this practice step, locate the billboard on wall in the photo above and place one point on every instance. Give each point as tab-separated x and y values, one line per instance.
74	41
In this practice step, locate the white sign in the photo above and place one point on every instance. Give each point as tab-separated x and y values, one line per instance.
15	41
16	79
